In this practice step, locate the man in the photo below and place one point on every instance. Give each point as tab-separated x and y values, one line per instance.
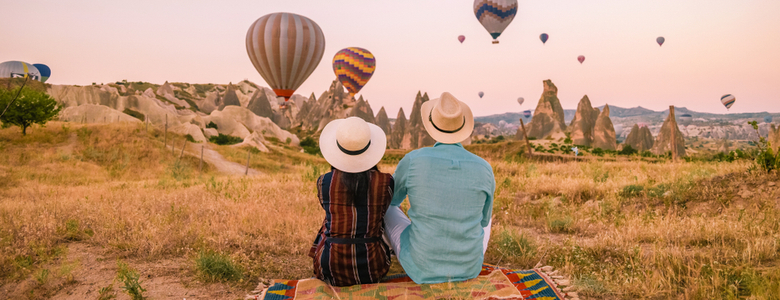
451	196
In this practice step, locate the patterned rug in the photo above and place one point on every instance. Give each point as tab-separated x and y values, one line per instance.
492	283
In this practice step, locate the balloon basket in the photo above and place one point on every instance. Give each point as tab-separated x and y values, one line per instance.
495	41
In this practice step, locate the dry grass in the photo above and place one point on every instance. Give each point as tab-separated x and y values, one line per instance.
620	229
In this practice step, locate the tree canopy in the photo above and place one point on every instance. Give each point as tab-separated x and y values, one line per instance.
31	107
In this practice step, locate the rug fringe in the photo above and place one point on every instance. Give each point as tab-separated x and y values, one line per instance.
560	281
257	293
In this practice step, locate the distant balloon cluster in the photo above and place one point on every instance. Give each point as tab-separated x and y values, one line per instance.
20	69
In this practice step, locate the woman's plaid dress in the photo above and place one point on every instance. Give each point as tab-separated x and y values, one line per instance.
349	249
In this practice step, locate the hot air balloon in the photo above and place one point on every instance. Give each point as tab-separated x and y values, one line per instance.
45	71
461	38
728	100
354	67
768	119
544	38
660	40
18	69
520	100
581	59
481	94
686	118
527	114
285	48
495	15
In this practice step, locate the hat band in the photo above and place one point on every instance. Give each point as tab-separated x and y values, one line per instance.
358	152
430	118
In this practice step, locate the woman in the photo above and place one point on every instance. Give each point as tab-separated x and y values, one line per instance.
349	248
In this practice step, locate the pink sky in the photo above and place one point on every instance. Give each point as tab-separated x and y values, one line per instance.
712	48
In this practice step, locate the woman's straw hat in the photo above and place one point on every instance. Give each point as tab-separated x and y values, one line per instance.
447	120
352	145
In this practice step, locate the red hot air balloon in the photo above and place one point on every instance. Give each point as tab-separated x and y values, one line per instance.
461	38
581	59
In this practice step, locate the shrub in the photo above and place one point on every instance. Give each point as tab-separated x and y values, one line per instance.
628	150
632	190
135	114
223	139
217	267
597	151
766	159
190	138
310	146
212	125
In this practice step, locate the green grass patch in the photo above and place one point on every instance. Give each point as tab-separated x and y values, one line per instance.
135	114
216	267
224	139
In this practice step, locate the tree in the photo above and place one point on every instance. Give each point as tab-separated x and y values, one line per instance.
32	107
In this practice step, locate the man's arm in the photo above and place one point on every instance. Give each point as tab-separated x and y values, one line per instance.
399	194
487	210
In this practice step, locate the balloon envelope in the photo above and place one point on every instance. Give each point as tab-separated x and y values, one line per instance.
728	100
354	67
481	94
520	100
581	59
527	114
544	38
660	40
768	119
461	38
45	71
495	15
18	69
285	49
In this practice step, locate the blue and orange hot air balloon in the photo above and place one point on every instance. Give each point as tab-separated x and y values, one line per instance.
354	67
495	15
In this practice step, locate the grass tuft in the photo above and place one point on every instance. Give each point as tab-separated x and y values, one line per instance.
217	267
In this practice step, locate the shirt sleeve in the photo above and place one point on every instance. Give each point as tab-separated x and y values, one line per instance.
487	211
401	172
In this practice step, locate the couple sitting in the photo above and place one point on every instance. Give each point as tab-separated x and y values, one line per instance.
450	195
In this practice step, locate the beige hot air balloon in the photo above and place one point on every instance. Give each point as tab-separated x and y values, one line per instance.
285	49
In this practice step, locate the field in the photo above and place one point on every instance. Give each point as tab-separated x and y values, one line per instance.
103	211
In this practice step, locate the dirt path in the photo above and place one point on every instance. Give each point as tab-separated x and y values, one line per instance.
215	159
85	271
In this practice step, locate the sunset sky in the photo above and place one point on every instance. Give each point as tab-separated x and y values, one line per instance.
713	47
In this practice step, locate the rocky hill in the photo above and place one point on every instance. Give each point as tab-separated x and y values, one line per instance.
639	138
548	118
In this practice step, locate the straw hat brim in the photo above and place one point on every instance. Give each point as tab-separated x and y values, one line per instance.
352	163
442	137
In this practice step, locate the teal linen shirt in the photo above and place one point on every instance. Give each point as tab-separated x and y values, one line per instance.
451	196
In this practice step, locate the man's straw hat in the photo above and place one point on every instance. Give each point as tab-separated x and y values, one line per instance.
352	145
447	120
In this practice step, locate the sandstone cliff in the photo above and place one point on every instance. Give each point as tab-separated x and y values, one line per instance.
363	110
548	116
663	142
639	138
230	98
260	105
584	122
335	103
604	132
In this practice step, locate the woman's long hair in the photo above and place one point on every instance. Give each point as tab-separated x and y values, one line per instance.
357	184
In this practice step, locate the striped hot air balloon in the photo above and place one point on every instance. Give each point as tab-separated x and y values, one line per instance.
14	69
527	114
495	15
285	49
354	67
728	101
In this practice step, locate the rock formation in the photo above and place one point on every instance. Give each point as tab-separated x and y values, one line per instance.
399	138
548	116
383	122
255	123
230	98
584	122
639	138
604	132
260	105
335	103
91	113
363	110
418	136
663	142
